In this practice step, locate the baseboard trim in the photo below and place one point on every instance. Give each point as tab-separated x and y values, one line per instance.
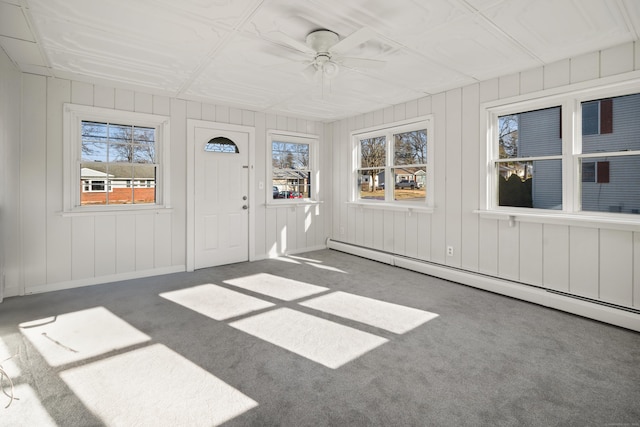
49	287
593	310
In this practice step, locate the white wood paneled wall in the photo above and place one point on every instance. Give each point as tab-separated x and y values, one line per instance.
57	251
598	263
9	176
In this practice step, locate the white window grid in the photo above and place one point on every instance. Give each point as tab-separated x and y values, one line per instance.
73	116
387	132
571	156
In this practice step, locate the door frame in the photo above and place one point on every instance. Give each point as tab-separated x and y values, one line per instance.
192	124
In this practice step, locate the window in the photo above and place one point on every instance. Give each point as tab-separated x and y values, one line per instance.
114	158
615	153
292	167
95	185
529	164
221	144
578	153
597	117
391	164
120	154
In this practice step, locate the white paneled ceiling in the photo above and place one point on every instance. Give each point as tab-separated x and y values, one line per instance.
234	52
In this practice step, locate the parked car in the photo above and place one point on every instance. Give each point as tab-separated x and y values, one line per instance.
289	195
275	192
405	183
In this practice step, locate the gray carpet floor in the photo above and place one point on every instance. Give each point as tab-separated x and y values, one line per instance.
484	360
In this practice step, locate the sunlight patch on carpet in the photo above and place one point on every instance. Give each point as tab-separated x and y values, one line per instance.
79	335
216	302
155	386
319	340
391	317
276	286
28	411
7	361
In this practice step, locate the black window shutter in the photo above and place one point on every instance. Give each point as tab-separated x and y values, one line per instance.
603	172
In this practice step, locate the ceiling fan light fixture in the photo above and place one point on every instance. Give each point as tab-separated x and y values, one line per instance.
330	69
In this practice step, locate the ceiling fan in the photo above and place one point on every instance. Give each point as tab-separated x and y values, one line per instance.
326	50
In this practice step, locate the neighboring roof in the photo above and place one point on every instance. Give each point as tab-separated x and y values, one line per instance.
288	174
92	173
99	170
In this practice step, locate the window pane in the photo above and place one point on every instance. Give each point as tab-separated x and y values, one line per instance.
144	152
530	134
143	135
121	179
371	184
93	151
409	184
93	178
144	184
288	184
120	133
122	153
535	184
590	118
588	171
289	155
144	145
623	124
616	185
373	152
94	132
410	148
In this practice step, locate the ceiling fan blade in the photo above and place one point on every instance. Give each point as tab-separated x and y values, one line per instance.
361	63
311	72
282	38
362	35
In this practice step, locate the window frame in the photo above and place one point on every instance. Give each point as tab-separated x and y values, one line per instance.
296	138
73	116
569	100
388	131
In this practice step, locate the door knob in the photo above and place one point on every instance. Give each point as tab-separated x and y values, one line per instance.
245	207
244	197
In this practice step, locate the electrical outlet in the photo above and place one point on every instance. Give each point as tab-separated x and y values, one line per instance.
449	250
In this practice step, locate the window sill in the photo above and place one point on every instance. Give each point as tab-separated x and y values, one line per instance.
101	211
291	203
618	222
399	207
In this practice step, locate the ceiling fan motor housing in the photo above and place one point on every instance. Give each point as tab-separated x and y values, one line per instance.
322	40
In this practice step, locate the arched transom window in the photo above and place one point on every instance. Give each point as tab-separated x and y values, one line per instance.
221	144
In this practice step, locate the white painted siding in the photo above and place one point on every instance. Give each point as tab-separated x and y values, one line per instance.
593	262
60	251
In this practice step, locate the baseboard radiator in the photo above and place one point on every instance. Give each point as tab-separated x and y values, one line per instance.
620	316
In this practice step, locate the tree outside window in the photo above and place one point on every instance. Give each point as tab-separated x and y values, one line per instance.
120	155
392	164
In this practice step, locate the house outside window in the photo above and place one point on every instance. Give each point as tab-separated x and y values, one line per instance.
392	164
121	153
529	164
572	153
115	158
292	167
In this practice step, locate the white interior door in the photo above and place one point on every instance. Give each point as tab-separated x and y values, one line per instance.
221	197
